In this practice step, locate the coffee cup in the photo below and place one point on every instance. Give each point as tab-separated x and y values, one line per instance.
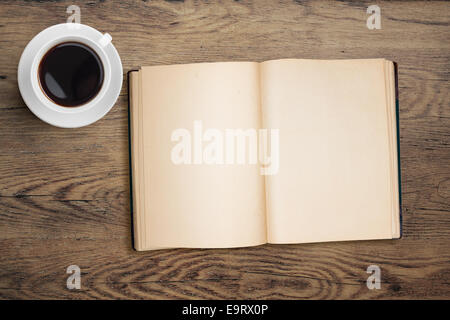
70	75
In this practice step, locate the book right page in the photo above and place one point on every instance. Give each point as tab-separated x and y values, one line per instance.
337	161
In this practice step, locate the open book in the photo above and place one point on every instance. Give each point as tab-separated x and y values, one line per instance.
236	154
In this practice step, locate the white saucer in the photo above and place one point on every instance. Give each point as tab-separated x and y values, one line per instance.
44	108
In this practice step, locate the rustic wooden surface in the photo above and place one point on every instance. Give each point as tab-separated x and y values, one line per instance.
64	194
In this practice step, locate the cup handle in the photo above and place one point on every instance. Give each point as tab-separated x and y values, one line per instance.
105	40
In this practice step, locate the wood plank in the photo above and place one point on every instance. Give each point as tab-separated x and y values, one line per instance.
281	271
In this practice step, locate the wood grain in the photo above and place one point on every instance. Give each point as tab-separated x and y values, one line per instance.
64	194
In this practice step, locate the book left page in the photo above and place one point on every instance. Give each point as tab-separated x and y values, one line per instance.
185	191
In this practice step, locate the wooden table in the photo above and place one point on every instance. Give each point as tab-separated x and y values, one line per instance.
64	194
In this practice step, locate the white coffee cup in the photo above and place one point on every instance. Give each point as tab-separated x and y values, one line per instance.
42	106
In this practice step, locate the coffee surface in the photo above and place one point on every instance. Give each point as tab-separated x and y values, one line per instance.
71	74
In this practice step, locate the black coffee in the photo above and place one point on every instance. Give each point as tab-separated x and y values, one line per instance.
71	74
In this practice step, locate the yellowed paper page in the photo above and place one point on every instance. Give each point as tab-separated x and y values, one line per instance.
199	204
391	110
334	179
136	172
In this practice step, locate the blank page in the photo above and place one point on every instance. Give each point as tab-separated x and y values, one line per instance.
335	178
196	205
